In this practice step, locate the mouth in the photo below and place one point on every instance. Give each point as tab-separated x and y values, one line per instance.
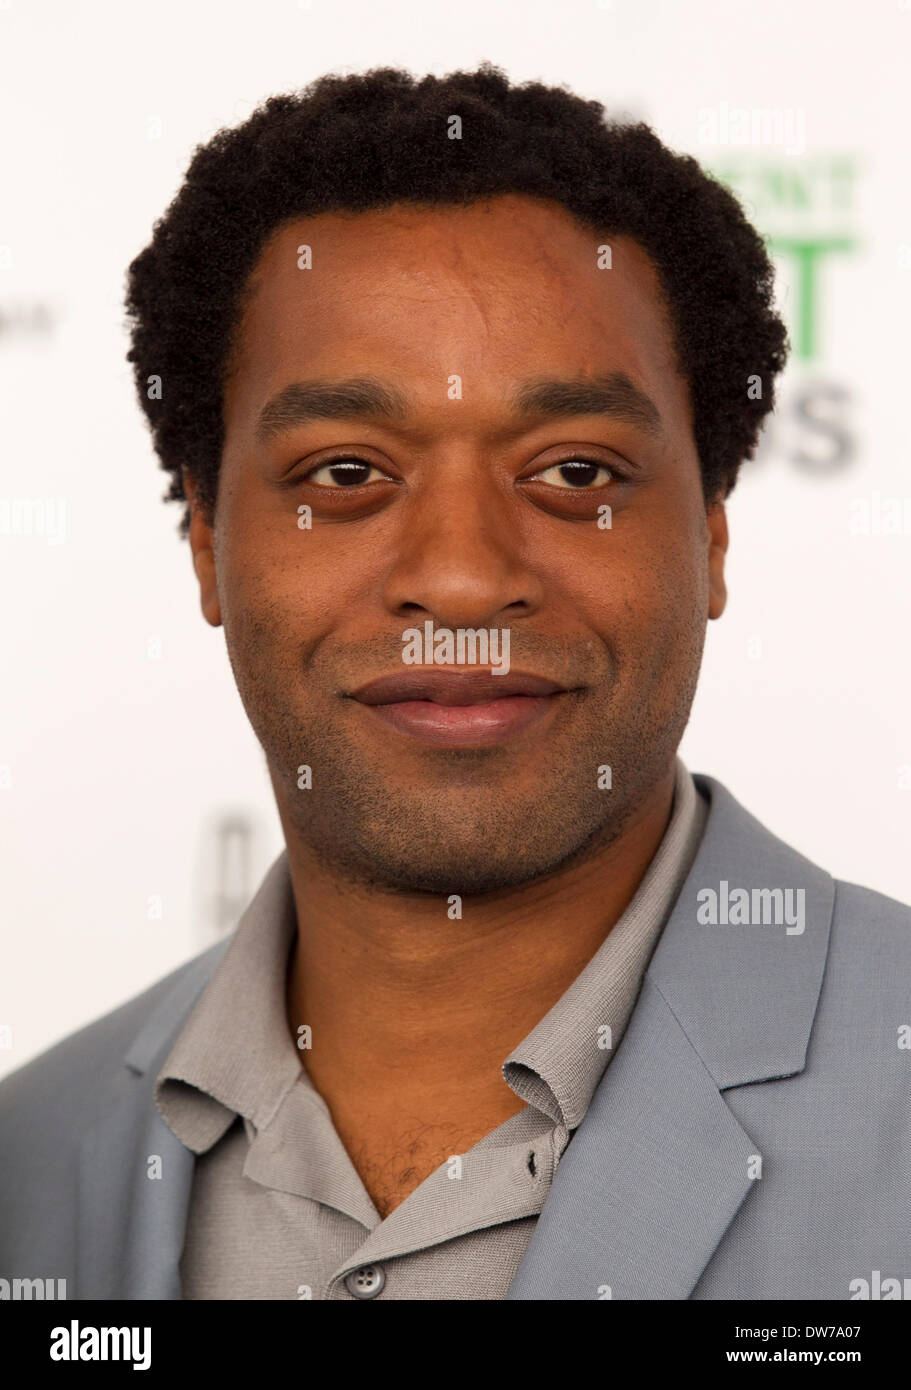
453	709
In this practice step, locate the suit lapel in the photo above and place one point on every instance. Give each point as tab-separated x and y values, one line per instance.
650	1181
660	1166
135	1176
135	1180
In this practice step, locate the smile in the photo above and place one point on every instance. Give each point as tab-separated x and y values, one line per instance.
452	710
465	725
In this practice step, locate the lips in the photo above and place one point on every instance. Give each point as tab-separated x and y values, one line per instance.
452	709
453	688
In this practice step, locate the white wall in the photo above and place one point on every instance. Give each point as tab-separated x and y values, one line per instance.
116	764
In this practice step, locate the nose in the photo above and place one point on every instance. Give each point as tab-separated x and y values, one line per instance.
462	557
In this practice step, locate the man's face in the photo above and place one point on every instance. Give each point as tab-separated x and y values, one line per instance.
461	510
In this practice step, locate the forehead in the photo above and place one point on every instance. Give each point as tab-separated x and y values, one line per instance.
495	292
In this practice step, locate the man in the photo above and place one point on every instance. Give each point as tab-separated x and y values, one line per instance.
454	378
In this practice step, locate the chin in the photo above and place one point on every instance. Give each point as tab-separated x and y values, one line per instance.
465	874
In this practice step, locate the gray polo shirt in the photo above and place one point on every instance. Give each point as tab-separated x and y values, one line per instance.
277	1209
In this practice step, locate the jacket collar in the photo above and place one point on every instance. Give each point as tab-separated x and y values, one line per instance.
134	1176
745	993
660	1165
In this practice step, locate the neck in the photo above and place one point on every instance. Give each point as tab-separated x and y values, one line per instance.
404	1001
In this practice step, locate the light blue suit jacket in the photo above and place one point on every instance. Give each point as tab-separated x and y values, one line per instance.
751	1138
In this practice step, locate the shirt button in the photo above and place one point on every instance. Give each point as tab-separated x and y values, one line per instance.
366	1282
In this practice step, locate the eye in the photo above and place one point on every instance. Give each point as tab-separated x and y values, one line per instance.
344	472
576	474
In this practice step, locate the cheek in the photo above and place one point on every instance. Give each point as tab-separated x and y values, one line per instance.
636	577
272	582
645	597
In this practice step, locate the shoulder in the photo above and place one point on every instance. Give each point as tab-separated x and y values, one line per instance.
869	957
65	1086
863	910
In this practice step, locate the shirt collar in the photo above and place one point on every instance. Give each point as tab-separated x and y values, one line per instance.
235	1055
558	1065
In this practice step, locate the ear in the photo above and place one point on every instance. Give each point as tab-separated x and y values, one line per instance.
201	545
717	524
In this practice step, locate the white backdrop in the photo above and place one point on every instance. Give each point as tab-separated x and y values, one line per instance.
137	816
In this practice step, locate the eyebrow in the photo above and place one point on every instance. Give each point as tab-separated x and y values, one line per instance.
302	401
614	395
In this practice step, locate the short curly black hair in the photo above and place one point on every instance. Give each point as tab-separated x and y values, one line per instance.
362	141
